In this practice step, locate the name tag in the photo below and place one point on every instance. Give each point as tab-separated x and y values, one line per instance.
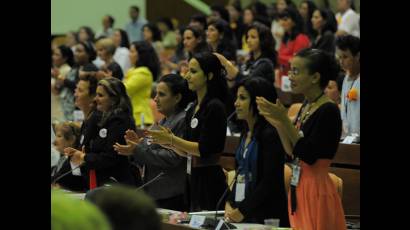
78	115
240	189
197	221
295	175
285	86
188	164
348	140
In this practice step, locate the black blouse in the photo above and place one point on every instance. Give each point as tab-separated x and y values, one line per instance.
268	199
321	134
210	132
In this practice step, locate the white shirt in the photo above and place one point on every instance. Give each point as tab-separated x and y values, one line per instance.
349	22
122	58
350	110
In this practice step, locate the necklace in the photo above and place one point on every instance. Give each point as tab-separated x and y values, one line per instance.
305	113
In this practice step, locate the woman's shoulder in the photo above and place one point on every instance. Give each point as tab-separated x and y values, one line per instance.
302	38
329	108
141	70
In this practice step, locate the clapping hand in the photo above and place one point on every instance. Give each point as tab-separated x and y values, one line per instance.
77	156
132	140
162	136
275	114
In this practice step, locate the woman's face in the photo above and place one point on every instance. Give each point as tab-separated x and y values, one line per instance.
317	20
133	55
116	38
253	40
80	56
287	24
346	59
83	99
102	99
212	35
247	17
70	40
82	35
147	34
60	142
300	79
58	59
102	53
165	100
195	76
332	91
281	5
242	104
304	10
190	41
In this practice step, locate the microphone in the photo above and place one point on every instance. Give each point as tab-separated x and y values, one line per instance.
66	173
215	222
151	181
223	195
231	115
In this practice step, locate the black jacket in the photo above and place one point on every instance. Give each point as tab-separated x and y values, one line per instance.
100	154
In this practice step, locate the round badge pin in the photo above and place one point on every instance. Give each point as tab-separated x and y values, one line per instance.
103	133
194	123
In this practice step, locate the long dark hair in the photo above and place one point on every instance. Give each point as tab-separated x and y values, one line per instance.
124	38
67	53
227	45
297	29
147	57
217	86
329	17
308	23
266	42
257	87
198	33
156	34
120	101
178	85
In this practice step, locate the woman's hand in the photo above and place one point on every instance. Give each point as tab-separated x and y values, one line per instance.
230	68
77	156
234	216
275	114
162	136
132	140
55	72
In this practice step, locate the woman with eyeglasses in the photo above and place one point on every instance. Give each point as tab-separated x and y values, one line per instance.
311	142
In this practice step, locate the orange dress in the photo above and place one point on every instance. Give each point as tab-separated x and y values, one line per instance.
319	206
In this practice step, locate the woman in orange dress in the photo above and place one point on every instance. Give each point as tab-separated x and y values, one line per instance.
311	141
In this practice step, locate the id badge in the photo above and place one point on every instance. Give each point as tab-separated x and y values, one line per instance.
295	175
240	188
189	164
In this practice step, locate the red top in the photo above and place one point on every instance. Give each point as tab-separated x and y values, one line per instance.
286	52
